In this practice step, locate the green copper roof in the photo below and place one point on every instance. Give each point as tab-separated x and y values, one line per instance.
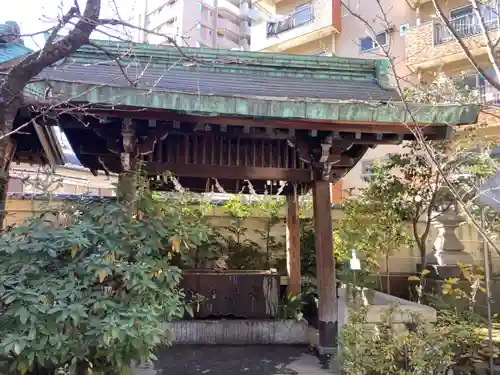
11	46
235	83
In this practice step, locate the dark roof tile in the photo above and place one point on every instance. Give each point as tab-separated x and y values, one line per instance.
222	83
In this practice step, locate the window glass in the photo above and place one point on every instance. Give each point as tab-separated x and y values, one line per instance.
303	14
460	12
368	43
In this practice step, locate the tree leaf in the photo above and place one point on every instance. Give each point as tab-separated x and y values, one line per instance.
74	250
17	348
102	275
23	315
176	244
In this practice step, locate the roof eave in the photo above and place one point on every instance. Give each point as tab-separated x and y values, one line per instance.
261	107
50	145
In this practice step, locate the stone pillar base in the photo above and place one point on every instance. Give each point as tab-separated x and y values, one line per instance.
443	272
448	258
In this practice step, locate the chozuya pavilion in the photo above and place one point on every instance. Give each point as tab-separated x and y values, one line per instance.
208	115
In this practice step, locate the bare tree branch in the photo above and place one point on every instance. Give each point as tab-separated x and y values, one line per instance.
486	37
116	59
35	62
63	22
417	131
464	48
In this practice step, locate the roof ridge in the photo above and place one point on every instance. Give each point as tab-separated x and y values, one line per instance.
220	59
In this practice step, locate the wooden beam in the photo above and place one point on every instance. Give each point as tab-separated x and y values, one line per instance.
293	245
325	268
342	163
365	138
321	125
229	172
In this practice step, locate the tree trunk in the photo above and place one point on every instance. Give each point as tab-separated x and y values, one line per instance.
387	275
127	190
7	150
13	83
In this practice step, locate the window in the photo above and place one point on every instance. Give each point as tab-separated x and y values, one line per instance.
370	43
461	12
470	82
303	14
366	168
199	7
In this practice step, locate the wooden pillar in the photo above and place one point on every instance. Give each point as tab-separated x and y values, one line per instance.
7	151
292	245
325	268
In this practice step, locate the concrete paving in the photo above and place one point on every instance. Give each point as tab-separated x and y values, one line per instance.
236	360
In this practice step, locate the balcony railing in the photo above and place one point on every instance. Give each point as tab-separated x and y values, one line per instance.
301	17
489	95
465	26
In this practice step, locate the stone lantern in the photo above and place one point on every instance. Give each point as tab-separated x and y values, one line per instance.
448	250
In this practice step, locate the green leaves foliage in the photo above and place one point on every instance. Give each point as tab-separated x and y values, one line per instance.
96	290
406	191
391	348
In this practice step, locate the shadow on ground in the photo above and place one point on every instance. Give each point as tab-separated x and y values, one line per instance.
234	360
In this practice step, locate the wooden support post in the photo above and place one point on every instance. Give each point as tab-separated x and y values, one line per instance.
7	151
325	268
293	245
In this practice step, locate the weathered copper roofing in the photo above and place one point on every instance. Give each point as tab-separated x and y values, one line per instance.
11	46
235	83
35	143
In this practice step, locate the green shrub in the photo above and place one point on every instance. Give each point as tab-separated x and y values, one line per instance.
95	292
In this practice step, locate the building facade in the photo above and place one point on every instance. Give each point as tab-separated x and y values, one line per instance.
421	48
223	24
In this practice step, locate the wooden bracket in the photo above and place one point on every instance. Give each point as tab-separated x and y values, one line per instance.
128	136
112	139
147	143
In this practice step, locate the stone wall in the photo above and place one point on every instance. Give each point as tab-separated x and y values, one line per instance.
403	261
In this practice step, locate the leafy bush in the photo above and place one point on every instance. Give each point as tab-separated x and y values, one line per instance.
94	292
382	349
454	342
290	307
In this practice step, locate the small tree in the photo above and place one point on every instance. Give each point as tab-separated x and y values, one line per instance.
406	188
94	292
270	207
243	252
372	226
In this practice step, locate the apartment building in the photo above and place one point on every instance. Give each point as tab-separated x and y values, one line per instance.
421	48
68	179
298	27
223	24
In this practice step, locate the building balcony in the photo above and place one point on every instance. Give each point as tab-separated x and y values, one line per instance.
416	3
225	43
308	23
223	24
431	44
228	9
